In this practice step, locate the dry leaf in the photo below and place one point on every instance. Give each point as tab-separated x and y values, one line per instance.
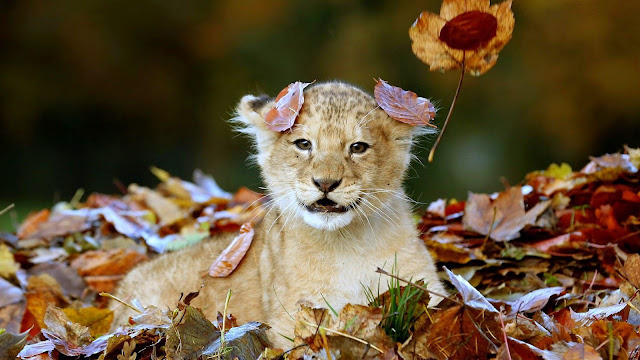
504	217
534	300
404	106
231	256
107	262
632	269
456	334
42	291
581	352
470	296
8	266
288	104
466	31
97	320
167	212
32	222
11	344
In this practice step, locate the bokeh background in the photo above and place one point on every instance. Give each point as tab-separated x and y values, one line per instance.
93	92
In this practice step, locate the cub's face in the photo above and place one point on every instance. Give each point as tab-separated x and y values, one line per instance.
343	160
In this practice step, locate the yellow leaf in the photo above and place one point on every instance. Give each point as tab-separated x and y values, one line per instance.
562	171
8	266
97	320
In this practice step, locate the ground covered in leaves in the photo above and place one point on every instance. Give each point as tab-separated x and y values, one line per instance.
547	269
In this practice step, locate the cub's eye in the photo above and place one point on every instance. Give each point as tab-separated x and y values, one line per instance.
359	147
303	144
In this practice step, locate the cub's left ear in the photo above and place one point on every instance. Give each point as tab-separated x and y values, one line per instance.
250	115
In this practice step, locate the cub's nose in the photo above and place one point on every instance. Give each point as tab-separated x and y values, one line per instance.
326	185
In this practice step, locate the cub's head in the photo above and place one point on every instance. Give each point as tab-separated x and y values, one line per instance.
343	161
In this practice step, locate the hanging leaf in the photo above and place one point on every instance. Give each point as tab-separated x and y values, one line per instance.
466	31
288	104
403	105
224	265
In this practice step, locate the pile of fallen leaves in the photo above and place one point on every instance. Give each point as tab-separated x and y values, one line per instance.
547	269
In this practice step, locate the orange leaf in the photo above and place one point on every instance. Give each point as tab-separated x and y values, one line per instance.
404	106
288	104
107	262
224	265
31	224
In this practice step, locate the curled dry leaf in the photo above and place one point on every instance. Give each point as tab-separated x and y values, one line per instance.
288	104
224	265
403	105
466	31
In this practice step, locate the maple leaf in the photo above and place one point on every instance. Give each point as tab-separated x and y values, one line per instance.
224	265
288	104
467	33
404	106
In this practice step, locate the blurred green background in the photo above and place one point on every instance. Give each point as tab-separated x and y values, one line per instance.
94	91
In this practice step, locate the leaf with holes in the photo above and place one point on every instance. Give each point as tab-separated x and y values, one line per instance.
404	106
288	104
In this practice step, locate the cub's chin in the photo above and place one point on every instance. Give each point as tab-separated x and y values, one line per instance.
328	221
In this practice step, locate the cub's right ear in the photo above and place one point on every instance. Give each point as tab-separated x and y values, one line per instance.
250	115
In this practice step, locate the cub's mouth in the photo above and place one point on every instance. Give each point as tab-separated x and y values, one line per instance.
327	206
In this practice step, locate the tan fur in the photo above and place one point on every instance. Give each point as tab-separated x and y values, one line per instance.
297	256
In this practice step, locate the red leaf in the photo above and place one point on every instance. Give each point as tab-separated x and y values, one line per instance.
469	31
404	106
288	105
224	265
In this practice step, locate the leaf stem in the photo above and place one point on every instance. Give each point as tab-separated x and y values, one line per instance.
446	121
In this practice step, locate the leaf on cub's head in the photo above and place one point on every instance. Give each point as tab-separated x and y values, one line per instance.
404	106
229	259
288	105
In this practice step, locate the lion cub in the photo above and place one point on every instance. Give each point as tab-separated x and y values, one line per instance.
338	213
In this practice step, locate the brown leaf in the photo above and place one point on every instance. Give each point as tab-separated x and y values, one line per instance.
460	333
466	31
224	265
69	337
632	269
246	196
288	104
581	352
107	262
469	31
102	283
60	224
361	322
167	211
504	217
11	344
404	106
32	222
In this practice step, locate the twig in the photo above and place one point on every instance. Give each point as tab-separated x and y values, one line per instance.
11	206
504	334
343	334
381	271
446	121
224	319
120	301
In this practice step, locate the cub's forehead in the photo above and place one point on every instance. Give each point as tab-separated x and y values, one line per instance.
337	106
